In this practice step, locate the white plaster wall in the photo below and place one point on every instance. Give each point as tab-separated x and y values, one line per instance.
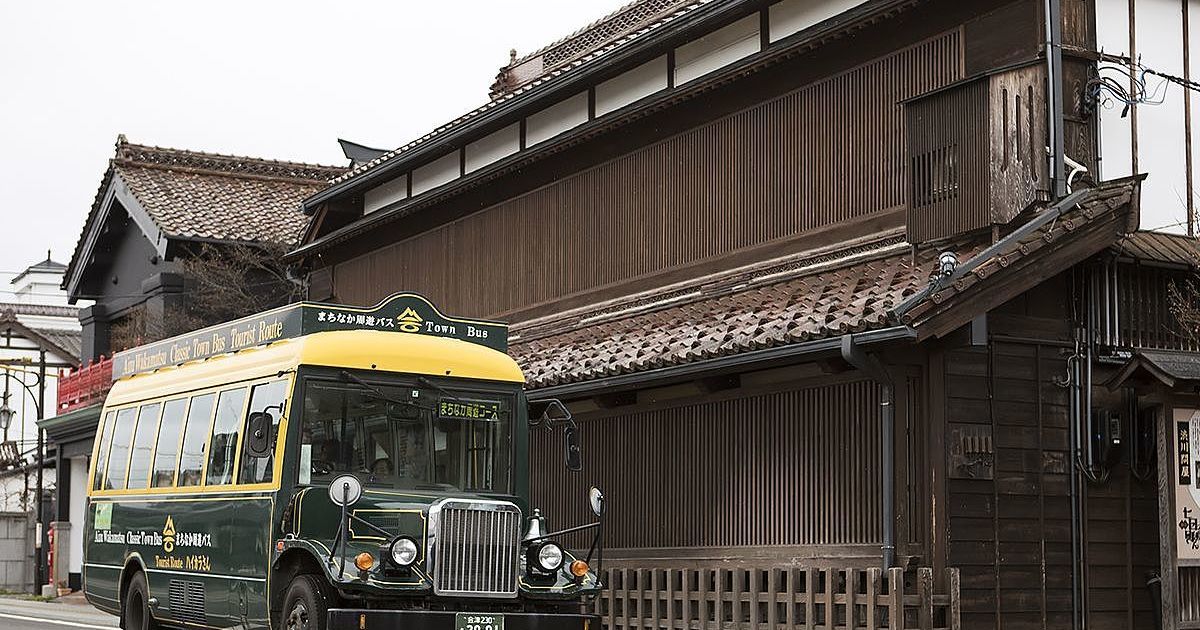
78	503
793	16
631	86
493	147
440	171
385	193
1160	133
556	119
717	49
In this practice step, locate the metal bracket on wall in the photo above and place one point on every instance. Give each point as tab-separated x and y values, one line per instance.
972	455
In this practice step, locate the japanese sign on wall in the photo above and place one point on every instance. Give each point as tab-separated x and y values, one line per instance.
1186	428
407	313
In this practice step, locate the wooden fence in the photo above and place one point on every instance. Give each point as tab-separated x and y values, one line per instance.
776	599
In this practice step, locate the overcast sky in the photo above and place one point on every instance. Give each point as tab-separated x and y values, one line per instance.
267	78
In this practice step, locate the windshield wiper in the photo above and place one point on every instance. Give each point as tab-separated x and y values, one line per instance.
441	390
380	394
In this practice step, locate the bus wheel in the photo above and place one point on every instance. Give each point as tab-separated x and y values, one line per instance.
306	604
135	613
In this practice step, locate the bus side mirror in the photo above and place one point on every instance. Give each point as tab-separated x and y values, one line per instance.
550	410
574	456
258	434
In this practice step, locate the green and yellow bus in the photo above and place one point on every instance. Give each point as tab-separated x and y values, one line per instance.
322	466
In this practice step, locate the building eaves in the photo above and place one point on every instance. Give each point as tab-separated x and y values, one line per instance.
561	83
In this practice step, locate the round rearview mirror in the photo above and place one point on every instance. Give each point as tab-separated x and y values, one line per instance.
596	498
345	490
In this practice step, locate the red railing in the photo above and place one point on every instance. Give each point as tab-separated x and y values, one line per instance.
85	386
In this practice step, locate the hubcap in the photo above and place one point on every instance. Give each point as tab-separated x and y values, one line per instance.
298	617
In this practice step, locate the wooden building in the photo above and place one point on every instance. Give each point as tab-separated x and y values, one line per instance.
801	271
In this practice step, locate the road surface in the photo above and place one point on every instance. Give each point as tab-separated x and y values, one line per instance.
18	614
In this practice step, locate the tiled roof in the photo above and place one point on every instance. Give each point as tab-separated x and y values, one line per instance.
210	196
45	310
197	195
1161	247
788	301
532	85
69	340
818	295
552	56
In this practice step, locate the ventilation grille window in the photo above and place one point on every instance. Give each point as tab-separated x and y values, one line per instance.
187	601
935	176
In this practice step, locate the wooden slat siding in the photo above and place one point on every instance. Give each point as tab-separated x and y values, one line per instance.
782	167
842	603
1143	307
1189	594
823	440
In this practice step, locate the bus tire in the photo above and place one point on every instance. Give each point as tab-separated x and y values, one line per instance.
135	605
307	603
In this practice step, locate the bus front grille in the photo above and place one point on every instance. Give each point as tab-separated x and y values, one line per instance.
474	547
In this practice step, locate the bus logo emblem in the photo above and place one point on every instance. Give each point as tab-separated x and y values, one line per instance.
409	321
169	535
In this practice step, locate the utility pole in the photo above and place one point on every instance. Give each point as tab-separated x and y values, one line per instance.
39	572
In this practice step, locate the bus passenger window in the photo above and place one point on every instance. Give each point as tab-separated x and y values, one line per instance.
118	450
102	452
167	449
143	442
266	398
195	438
225	437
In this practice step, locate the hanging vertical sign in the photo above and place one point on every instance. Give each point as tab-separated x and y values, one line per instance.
1187	486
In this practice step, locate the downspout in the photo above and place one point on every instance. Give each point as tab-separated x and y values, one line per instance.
869	363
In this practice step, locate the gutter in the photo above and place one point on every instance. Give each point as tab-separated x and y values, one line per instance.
799	351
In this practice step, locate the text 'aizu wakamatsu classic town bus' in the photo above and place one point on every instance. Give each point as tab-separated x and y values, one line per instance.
324	466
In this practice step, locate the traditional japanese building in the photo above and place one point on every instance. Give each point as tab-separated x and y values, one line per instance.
821	305
155	209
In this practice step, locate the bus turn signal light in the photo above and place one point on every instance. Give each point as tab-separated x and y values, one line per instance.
579	568
364	561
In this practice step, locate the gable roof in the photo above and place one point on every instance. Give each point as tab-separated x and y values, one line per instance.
880	290
67	344
1160	247
46	266
192	195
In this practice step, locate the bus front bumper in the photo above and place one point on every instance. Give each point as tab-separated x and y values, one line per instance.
363	619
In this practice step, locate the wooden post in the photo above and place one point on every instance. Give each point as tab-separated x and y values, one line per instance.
810	586
1165	439
851	592
872	595
830	598
670	588
896	605
925	594
773	598
954	612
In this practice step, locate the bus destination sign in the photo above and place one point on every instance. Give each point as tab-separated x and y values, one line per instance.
402	313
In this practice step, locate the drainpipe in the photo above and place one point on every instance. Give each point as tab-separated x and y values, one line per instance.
869	363
1054	104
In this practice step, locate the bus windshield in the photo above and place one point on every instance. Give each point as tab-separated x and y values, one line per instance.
406	433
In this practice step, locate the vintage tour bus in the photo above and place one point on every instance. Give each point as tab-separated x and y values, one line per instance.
322	466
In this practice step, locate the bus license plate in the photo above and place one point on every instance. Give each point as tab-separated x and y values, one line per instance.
476	621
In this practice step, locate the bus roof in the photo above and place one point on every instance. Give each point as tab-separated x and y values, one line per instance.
351	349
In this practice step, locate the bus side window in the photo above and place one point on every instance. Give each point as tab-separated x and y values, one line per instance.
195	438
226	427
118	450
267	398
143	443
102	452
167	449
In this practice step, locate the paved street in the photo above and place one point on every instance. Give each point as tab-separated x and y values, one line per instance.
18	614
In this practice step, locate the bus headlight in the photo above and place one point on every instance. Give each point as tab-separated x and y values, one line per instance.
403	551
549	557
